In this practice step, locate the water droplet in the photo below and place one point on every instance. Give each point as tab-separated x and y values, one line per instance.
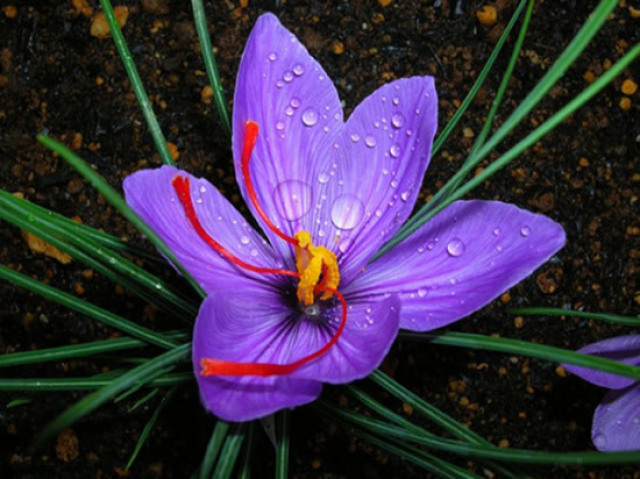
396	101
347	211
323	178
409	133
244	239
273	56
599	440
404	196
199	201
420	249
253	252
455	247
394	183
499	248
344	245
431	245
203	189
310	117
496	231
370	141
313	310
295	103
422	292
279	83
279	126
355	137
397	120
287	76
292	199
525	231
395	150
298	70
288	111
378	213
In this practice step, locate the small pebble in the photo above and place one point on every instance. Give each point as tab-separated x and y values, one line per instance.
10	11
487	15
629	87
625	103
100	27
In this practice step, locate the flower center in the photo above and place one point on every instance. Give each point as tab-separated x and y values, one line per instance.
317	267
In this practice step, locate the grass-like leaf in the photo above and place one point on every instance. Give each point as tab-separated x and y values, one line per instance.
136	83
83	384
213	449
96	399
206	48
606	317
229	453
282	448
525	348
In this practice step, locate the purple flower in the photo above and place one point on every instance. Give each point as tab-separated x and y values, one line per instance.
616	421
316	311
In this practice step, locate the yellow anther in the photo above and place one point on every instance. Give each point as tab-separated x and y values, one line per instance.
311	262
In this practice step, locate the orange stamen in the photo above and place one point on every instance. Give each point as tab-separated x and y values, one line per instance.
250	138
181	186
218	367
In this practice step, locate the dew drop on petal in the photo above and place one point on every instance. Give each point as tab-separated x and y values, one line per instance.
395	150
253	252
292	199
396	101
455	247
244	239
431	245
355	137
203	189
599	440
404	196
279	126
288	111
347	211
310	117
273	56
323	178
295	103
199	201
313	310
422	292
288	76
525	231
496	231
397	120
298	70
370	141
344	245
279	83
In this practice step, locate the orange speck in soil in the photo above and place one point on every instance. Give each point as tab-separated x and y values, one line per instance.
589	77
10	11
625	103
100	27
629	87
173	150
82	7
384	3
487	15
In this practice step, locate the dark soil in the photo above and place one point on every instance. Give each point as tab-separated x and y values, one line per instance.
56	78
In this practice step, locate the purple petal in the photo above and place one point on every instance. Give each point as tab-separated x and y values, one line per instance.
370	330
369	188
624	349
151	195
283	89
459	261
616	422
248	323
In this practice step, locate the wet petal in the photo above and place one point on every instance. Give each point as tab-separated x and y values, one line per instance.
283	89
151	195
247	323
459	261
616	422
371	328
624	349
370	186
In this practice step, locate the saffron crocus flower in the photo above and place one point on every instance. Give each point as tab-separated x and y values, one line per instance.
616	421
304	306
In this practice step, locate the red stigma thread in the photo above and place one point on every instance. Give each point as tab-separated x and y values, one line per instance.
218	367
250	138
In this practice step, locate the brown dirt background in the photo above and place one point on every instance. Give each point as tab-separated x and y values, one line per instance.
56	78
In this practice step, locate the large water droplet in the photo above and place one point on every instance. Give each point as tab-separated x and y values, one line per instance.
298	70
455	247
370	141
323	178
292	199
599	440
310	117
397	120
525	231
395	150
347	211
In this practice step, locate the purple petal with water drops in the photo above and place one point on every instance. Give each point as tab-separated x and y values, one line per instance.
369	185
248	322
616	421
296	106
151	195
624	349
370	330
459	261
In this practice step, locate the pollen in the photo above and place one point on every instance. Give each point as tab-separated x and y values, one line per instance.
317	266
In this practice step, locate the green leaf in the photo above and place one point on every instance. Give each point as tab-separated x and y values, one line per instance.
229	454
213	449
84	384
136	84
606	317
282	447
